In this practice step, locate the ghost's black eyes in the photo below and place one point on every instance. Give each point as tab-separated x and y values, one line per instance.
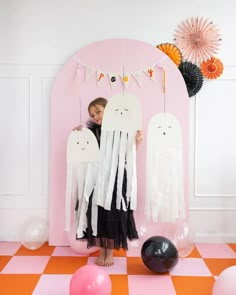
116	110
87	142
77	142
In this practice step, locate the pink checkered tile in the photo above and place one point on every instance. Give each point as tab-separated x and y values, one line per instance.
134	249
215	250
53	284
65	251
152	284
9	248
26	265
119	267
190	267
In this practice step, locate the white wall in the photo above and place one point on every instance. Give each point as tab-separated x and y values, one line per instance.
38	37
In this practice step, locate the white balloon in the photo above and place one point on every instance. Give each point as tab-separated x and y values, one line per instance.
225	284
34	233
184	239
182	235
143	235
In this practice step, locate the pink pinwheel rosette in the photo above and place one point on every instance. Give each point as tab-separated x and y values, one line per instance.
198	39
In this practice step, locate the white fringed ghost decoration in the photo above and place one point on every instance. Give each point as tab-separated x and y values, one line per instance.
164	176
121	119
82	157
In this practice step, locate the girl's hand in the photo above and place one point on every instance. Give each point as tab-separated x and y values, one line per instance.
139	136
78	128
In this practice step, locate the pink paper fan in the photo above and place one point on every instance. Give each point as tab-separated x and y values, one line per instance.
197	39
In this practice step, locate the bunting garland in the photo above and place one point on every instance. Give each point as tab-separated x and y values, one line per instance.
126	79
138	75
100	77
150	73
89	72
113	79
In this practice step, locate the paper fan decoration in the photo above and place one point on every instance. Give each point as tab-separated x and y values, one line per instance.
212	68
192	76
172	51
198	39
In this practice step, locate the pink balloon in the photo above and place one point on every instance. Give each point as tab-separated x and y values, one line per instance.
225	284
79	246
90	280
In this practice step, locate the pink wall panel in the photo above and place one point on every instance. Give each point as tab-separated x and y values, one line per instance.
69	94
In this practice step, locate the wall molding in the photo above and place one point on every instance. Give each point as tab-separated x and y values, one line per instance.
40	79
211	209
25	91
197	198
215	238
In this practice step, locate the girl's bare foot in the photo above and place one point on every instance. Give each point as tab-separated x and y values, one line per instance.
100	261
109	258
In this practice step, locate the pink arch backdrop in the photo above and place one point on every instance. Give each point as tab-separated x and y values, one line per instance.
71	94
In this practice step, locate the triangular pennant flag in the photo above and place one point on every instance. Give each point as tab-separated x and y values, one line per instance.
113	80
125	78
150	72
77	79
138	76
100	77
89	72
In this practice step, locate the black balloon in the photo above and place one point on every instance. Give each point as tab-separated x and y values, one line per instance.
159	254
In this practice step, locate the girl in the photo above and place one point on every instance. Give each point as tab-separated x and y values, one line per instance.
113	226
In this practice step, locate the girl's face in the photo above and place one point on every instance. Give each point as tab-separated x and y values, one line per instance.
96	113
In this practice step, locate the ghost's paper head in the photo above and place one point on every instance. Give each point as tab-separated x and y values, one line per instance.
82	146
123	113
165	131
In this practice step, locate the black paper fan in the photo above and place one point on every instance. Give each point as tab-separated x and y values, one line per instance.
192	76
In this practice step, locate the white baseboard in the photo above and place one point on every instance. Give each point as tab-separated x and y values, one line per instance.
215	238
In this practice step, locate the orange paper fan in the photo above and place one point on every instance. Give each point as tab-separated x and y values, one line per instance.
172	51
212	68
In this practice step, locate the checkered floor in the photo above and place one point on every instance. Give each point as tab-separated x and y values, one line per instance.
48	270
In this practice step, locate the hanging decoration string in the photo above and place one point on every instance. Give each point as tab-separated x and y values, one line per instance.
123	81
80	113
77	92
164	90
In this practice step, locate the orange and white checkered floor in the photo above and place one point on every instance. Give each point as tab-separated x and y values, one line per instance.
48	270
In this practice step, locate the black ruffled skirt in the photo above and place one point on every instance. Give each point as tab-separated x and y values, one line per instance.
114	227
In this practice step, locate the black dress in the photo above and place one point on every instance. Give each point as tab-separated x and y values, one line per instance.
114	226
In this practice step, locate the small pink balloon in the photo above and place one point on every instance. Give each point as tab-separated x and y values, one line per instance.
90	280
225	284
79	246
